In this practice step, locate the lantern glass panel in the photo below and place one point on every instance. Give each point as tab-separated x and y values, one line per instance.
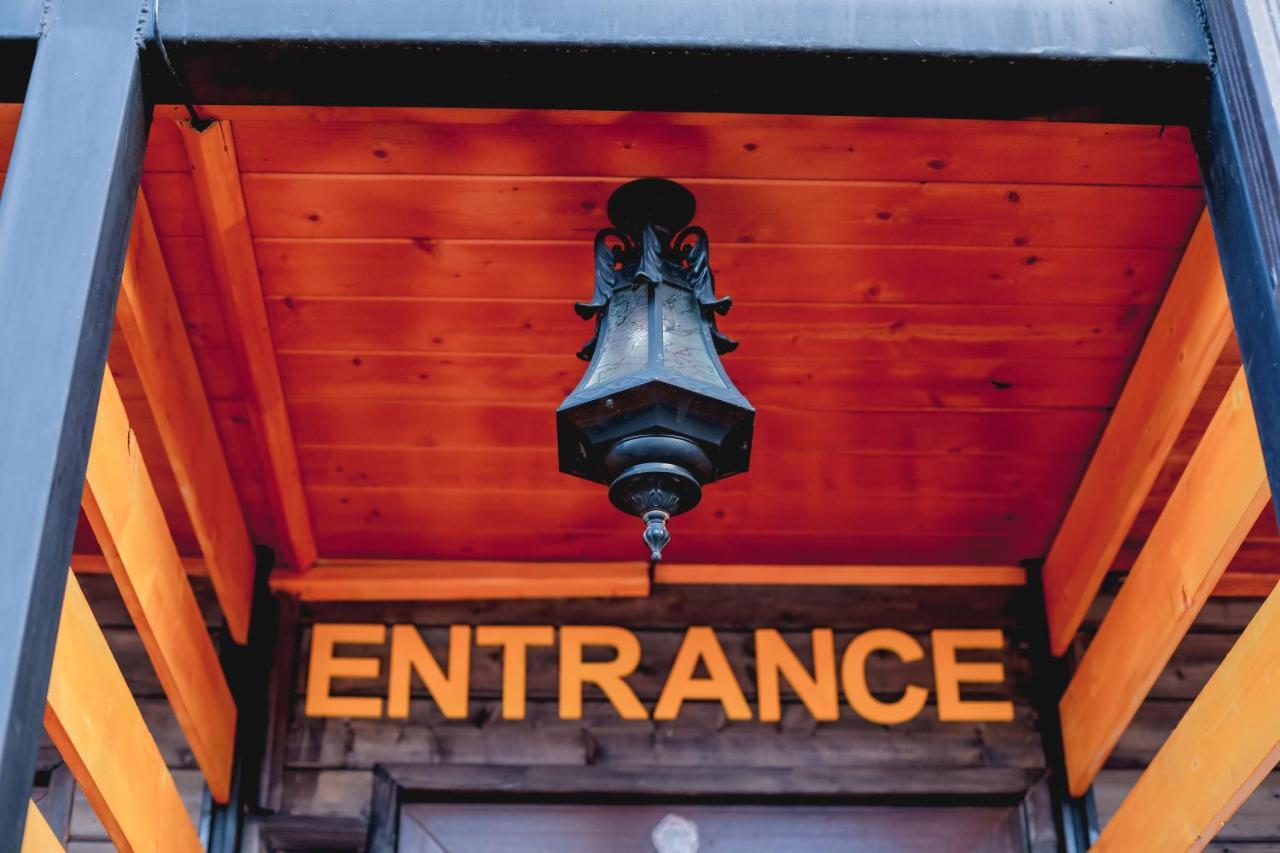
685	347
624	341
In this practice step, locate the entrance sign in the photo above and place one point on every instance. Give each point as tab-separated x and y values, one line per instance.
701	672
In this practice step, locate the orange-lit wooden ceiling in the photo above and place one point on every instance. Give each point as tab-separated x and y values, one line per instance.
935	318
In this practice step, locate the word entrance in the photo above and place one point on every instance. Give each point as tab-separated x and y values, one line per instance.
700	672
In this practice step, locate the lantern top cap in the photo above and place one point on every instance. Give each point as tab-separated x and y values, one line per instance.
663	204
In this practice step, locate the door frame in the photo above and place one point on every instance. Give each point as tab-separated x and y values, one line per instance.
396	785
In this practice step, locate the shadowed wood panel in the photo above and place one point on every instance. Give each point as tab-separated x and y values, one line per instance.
724	146
533	468
735	211
387	423
779	331
749	271
808	384
619	544
1024	520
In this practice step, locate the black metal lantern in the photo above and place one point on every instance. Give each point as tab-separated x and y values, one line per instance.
655	417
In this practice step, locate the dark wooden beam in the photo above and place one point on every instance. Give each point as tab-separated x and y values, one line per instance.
64	223
1240	159
1138	60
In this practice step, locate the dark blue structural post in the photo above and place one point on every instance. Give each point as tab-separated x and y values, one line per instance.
64	224
1239	156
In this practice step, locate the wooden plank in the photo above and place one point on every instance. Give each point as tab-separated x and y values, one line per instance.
37	837
397	423
788	575
351	580
752	272
1222	749
737	211
226	228
129	524
803	383
1212	508
152	324
776	331
1189	332
582	508
99	732
787	471
1246	585
729	146
409	580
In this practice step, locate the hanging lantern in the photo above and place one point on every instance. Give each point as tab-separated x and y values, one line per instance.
655	417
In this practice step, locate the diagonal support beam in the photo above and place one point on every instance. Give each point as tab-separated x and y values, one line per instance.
64	224
95	724
1184	343
152	325
126	516
1211	510
38	836
216	173
1224	746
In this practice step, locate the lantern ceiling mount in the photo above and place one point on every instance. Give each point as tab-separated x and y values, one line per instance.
655	417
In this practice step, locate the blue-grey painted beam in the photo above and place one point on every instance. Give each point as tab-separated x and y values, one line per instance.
1240	158
64	223
1088	59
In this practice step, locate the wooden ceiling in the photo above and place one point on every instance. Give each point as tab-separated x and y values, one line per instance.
935	317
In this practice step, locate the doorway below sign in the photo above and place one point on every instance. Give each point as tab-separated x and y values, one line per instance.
686	828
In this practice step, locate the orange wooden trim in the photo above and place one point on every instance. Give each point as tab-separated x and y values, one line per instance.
388	580
783	575
410	580
1225	744
152	325
38	836
94	722
1181	349
125	514
1211	510
1246	585
216	175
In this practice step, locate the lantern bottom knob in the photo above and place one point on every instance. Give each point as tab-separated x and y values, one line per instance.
656	535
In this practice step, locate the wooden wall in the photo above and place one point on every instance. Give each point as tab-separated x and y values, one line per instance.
1256	826
328	764
325	777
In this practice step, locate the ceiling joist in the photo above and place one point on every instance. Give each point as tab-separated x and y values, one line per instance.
1184	343
216	174
152	324
1211	510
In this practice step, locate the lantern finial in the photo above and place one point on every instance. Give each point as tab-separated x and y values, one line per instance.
656	535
